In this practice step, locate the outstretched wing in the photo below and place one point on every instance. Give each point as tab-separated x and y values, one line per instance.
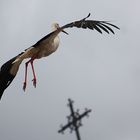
8	72
5	76
92	24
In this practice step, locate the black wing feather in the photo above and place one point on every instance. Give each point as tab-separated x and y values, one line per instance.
103	28
97	28
92	24
5	76
110	24
107	27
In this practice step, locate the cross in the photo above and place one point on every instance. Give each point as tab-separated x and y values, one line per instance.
74	120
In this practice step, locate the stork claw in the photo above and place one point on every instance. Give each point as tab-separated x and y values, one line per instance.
24	86
34	82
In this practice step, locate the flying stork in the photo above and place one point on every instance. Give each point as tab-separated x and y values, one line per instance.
43	48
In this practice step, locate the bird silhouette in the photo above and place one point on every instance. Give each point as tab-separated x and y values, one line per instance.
43	48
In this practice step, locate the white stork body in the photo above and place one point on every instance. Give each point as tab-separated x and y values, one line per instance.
44	47
48	47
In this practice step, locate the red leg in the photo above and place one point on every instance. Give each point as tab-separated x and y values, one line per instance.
25	80
26	70
34	75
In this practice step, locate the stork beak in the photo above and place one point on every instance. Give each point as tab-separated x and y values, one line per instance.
65	32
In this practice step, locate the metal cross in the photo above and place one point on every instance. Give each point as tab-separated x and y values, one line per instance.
74	120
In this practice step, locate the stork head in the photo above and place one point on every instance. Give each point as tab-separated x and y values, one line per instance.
56	26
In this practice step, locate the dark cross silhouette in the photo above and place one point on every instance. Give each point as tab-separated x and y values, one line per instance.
74	120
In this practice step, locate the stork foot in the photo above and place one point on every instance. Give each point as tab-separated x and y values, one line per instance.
24	86
34	82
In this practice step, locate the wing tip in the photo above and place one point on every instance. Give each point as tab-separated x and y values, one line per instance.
87	16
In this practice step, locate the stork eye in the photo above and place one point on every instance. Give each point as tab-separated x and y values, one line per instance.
57	25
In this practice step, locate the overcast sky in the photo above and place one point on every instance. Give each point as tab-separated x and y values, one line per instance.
100	72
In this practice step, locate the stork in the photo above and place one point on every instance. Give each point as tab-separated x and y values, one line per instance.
43	48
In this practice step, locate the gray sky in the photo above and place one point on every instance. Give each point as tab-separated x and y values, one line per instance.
101	72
